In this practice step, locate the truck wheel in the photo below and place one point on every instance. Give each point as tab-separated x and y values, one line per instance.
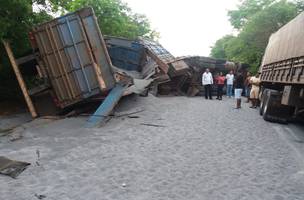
271	106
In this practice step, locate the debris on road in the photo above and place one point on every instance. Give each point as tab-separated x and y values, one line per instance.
123	114
134	117
180	76
40	196
16	135
38	157
76	65
153	125
12	168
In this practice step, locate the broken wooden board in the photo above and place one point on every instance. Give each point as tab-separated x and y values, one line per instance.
106	107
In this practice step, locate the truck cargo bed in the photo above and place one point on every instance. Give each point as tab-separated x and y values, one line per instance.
73	53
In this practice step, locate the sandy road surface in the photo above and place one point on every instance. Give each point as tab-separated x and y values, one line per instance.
207	150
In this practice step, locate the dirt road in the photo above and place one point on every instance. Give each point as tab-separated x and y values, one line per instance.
204	150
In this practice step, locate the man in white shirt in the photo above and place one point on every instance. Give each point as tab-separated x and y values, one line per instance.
207	82
230	79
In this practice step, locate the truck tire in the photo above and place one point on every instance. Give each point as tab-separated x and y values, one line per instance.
270	107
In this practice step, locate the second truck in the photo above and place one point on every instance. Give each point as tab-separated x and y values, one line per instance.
282	73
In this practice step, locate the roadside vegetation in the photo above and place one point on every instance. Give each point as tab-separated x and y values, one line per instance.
254	22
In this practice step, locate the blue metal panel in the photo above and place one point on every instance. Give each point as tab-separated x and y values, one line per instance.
106	106
126	54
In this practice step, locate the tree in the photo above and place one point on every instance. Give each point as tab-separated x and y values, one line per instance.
116	18
255	20
16	19
246	10
220	47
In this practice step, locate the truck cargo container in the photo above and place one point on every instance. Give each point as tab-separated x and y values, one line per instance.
73	56
282	73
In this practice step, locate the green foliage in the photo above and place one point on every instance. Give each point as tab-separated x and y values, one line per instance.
246	10
256	20
116	18
220	47
16	20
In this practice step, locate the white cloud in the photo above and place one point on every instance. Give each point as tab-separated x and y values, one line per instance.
187	27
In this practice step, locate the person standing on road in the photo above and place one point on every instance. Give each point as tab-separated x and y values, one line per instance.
247	86
220	81
239	85
230	79
207	82
254	93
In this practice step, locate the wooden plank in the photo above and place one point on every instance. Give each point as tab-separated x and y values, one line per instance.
106	107
21	82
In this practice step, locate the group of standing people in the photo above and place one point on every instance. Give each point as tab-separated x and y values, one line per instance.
250	85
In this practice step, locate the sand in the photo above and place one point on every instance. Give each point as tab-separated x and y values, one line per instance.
206	150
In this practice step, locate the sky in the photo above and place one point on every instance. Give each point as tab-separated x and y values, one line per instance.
187	27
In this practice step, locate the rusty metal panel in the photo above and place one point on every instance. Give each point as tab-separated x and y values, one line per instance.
283	61
76	68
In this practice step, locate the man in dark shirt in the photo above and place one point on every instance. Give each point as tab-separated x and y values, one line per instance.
239	85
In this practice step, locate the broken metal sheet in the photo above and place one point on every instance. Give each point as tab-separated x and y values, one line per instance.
106	107
133	74
139	86
126	54
12	168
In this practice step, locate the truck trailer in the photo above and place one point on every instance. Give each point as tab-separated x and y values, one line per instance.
282	73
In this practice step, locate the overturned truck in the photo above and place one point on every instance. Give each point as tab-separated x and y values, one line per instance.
71	63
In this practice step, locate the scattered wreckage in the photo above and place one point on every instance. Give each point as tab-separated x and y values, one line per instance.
74	64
